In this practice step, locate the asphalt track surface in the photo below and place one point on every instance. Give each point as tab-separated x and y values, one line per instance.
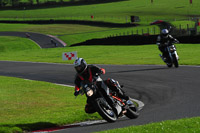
44	41
168	93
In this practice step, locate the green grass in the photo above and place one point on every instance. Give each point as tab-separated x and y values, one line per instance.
67	32
143	54
53	29
81	37
74	33
14	44
189	125
160	9
32	105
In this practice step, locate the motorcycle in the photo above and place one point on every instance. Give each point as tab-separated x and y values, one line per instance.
171	55
109	106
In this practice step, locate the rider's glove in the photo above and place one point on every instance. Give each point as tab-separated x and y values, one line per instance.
158	43
175	41
76	93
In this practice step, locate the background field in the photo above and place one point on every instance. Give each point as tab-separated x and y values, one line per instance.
76	33
160	9
176	12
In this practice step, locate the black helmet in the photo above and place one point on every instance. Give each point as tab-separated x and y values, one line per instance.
80	65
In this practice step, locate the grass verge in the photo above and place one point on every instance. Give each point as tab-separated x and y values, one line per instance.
28	105
189	125
14	44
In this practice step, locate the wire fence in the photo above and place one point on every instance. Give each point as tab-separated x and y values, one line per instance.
140	31
177	30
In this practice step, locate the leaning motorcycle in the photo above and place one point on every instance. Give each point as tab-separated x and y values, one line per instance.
109	106
171	56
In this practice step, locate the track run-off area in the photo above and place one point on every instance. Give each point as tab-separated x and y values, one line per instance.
168	93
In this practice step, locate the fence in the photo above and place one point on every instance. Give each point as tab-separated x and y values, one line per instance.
185	30
177	30
138	31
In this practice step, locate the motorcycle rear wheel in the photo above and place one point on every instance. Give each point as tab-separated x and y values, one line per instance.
106	113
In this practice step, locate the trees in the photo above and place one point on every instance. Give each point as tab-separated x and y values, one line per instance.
13	3
3	3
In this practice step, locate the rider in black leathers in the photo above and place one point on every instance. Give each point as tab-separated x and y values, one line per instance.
87	72
162	41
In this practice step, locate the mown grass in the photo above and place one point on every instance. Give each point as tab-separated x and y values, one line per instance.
14	44
187	125
143	54
53	29
31	105
160	9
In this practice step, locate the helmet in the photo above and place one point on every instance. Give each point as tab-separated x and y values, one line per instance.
165	32
80	65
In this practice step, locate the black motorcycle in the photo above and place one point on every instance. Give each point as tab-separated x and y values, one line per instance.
109	106
171	57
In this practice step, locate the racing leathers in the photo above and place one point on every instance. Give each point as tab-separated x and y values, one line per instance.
89	73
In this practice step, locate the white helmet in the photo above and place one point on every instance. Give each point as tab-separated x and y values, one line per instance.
80	65
165	32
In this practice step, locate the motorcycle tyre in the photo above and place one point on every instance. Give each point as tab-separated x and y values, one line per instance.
132	112
169	65
168	62
103	113
175	61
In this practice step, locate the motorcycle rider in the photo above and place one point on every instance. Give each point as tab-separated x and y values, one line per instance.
163	40
87	72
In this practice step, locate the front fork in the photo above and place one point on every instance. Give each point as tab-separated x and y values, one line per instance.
176	55
172	50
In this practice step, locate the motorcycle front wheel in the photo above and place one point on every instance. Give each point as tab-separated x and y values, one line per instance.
175	61
132	112
169	62
105	111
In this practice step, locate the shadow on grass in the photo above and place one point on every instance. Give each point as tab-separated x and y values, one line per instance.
31	126
81	22
45	126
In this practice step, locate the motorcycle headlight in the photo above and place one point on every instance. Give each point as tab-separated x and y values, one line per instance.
90	92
